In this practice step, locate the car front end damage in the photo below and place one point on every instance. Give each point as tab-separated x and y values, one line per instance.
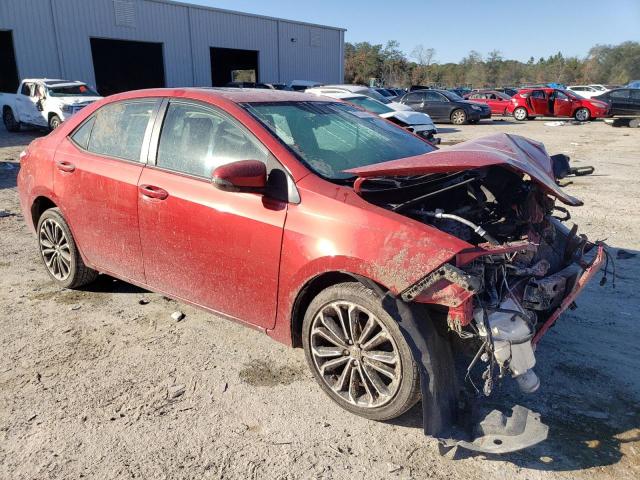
522	269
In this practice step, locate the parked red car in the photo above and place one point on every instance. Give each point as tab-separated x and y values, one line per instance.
497	101
322	225
529	103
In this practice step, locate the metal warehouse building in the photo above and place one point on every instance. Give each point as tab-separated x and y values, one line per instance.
120	45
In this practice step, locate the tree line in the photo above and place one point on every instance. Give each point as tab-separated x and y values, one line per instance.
605	64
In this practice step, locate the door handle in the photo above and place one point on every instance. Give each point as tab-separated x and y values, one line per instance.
65	166
153	192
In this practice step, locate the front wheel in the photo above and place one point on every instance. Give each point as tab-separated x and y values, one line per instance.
357	353
54	122
10	122
582	114
59	252
520	114
458	117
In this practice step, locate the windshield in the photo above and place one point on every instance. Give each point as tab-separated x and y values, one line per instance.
373	94
369	104
72	91
332	137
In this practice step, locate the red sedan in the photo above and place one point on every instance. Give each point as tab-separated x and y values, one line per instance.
322	225
552	102
497	101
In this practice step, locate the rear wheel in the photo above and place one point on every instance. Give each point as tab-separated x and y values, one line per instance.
357	353
59	252
520	114
458	117
10	122
582	114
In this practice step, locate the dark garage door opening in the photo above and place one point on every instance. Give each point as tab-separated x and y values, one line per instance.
122	65
231	64
8	67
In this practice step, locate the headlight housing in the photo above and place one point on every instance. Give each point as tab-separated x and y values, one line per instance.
476	107
67	108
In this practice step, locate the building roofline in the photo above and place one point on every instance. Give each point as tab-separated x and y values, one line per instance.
245	14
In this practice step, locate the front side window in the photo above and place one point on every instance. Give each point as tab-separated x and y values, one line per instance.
195	140
119	129
332	137
434	97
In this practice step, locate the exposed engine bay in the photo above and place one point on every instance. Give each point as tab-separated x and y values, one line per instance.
524	268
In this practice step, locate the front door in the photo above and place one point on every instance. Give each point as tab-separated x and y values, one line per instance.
217	249
562	104
96	176
437	105
27	105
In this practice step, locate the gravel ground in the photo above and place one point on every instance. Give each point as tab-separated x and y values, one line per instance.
103	383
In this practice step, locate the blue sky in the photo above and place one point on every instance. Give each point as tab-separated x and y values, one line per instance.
518	29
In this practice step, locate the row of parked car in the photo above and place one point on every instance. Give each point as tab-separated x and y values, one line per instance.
47	103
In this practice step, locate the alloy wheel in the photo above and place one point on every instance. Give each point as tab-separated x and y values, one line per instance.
458	117
355	354
582	115
55	249
520	113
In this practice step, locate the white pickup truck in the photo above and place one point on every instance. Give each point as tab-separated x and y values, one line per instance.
43	102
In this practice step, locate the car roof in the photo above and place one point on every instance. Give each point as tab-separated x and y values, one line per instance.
350	88
235	95
54	82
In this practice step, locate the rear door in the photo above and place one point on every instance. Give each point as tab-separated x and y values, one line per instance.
634	101
415	101
96	181
213	248
539	102
620	100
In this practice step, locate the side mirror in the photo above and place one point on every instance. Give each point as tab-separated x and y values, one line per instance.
248	176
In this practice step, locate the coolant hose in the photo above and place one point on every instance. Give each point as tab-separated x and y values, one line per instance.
476	228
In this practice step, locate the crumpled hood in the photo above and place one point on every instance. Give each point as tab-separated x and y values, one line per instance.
512	151
410	117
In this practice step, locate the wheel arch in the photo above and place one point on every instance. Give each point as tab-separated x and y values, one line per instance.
40	204
12	110
313	287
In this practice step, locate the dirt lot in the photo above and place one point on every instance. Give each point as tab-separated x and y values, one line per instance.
95	384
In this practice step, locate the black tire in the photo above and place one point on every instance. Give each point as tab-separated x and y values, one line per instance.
54	122
582	115
407	389
458	117
78	273
10	122
521	114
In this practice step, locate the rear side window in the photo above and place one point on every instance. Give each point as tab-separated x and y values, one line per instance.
434	97
414	97
538	94
195	140
119	129
619	94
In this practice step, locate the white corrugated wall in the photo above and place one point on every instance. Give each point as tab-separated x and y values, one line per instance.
51	38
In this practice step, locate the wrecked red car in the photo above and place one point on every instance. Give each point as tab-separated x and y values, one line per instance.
529	103
326	227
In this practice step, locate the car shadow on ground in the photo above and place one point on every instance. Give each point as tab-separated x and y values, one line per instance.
591	411
8	174
448	130
107	284
19	139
